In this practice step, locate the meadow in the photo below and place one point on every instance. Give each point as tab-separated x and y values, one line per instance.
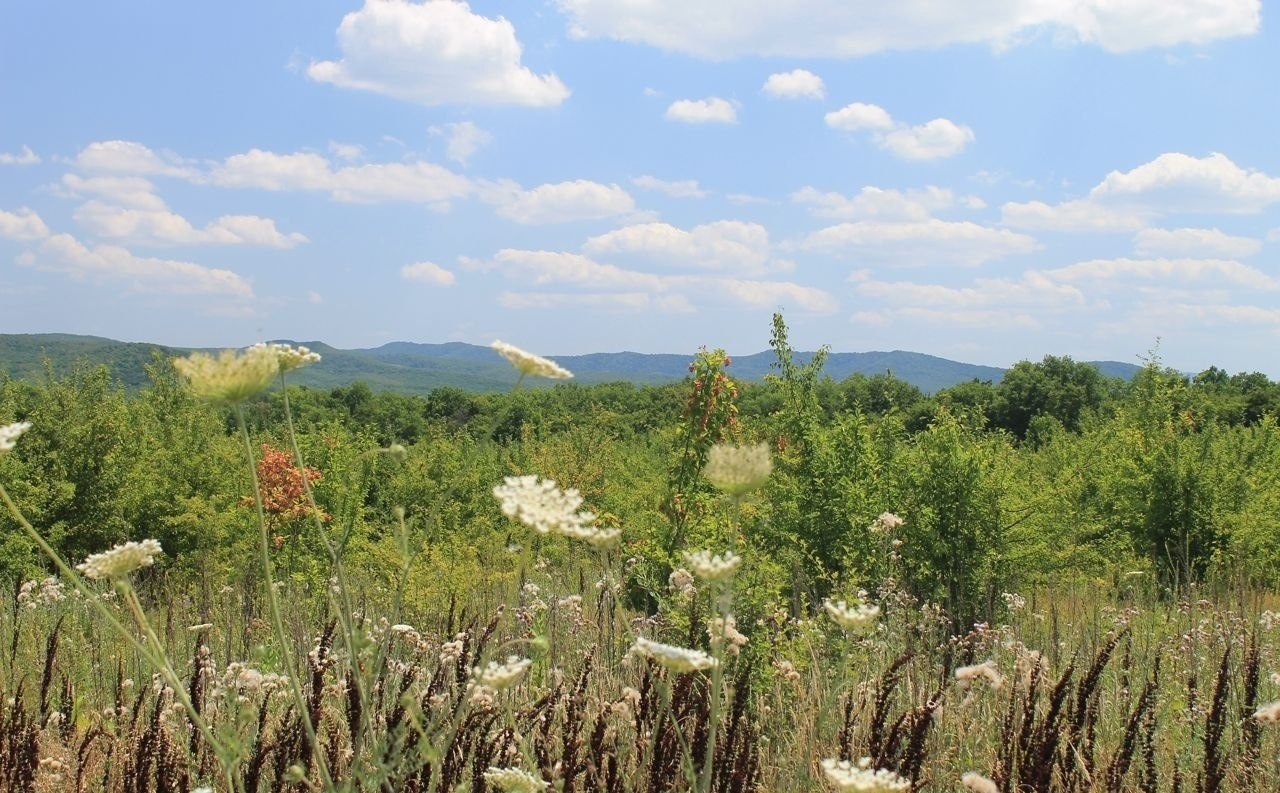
1055	583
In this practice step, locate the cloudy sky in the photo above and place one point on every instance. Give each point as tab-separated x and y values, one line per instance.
986	181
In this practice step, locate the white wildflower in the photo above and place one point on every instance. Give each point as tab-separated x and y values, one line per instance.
676	659
724	630
503	675
844	775
230	378
681	582
46	592
856	617
1269	714
514	780
713	568
540	505
885	523
287	356
986	671
526	363
978	783
595	536
738	470
121	560
10	433
1013	601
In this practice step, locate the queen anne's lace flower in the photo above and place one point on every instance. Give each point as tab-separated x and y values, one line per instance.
9	435
121	560
514	780
526	363
713	568
677	659
738	469
978	783
854	617
1269	714
595	536
985	671
232	377
287	356
503	675
540	505
844	775
885	523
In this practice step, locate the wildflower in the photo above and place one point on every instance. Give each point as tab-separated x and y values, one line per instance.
288	357
595	536
121	560
676	659
738	470
540	505
1269	714
966	675
232	377
713	568
9	435
1014	601
724	630
681	582
844	775
856	617
34	594
499	676
978	783
885	523
450	652
514	780
526	363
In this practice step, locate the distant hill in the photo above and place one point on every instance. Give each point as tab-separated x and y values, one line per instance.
412	368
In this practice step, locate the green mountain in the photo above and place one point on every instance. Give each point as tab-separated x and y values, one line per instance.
412	368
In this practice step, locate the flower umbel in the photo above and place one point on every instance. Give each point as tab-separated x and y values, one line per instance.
844	775
526	363
230	378
503	675
978	783
121	560
514	780
885	523
9	435
288	356
676	659
713	568
855	617
738	470
542	506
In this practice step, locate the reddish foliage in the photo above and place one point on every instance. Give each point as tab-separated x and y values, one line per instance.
284	496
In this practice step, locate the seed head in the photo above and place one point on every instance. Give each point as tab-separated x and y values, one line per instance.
526	363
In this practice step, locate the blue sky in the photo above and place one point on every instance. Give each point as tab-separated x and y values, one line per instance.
986	181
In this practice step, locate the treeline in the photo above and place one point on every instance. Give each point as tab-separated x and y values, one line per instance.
1054	474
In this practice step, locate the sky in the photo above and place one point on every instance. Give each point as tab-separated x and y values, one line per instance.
986	181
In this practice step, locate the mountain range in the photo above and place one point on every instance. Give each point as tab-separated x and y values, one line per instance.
412	368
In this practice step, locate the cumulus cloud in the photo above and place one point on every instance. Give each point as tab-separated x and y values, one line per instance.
712	110
419	182
1215	270
24	225
428	273
547	267
629	302
462	139
722	245
1176	182
1209	243
432	53
875	203
981	318
931	140
795	84
131	157
921	242
65	254
126	191
162	227
24	157
346	151
1078	215
718	29
567	201
685	188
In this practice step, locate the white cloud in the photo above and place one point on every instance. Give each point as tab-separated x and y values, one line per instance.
64	253
435	52
547	267
428	273
1176	182
686	188
420	182
127	191
1209	243
130	157
777	294
722	245
992	319
922	242
742	199
795	84
931	140
1032	290
702	111
859	116
24	157
631	302
1216	270
1078	215
24	225
162	227
875	203
718	29
346	151
567	201
462	139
